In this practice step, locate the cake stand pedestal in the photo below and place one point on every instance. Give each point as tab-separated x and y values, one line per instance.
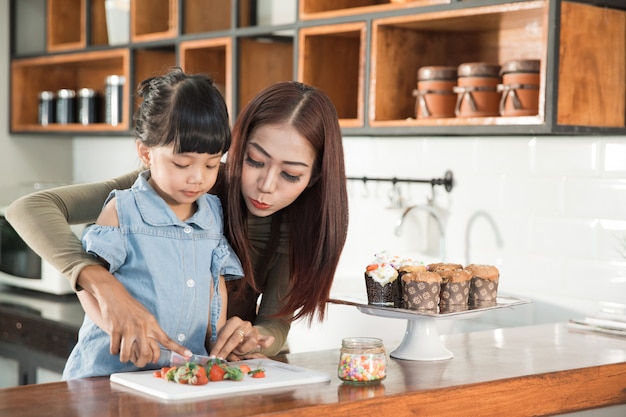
421	340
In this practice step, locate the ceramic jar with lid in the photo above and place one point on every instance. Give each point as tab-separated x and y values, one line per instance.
435	96
477	90
362	360
520	87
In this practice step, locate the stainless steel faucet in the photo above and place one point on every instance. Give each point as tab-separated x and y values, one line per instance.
440	223
468	229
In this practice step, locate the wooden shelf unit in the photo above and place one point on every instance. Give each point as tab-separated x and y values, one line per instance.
73	71
332	58
364	54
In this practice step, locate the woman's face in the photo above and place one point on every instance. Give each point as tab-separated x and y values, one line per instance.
277	167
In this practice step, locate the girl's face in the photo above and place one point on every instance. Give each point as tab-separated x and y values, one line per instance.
180	179
277	167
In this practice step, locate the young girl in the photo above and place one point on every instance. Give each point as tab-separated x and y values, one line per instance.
286	213
163	238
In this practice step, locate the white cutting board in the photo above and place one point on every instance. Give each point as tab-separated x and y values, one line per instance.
277	374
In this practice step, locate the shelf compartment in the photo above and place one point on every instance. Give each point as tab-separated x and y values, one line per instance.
332	58
214	58
595	96
66	25
153	20
98	22
73	71
494	34
200	16
263	61
321	9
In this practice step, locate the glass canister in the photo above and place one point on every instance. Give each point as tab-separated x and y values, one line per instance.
87	106
114	99
46	108
362	360
520	87
435	96
66	106
477	90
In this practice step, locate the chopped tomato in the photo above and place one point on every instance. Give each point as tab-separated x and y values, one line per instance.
216	373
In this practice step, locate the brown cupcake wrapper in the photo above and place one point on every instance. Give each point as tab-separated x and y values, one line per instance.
418	295
455	293
483	290
388	294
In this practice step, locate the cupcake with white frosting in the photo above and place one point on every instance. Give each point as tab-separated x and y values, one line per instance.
381	281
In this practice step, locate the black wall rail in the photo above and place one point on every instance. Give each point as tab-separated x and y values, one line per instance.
447	181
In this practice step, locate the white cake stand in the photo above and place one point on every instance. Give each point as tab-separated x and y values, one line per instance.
421	340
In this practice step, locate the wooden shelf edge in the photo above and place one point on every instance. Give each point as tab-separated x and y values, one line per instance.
465	121
370	9
71	128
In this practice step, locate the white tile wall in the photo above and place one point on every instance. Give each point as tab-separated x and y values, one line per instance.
559	204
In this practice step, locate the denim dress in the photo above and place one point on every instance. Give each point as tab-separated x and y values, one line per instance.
168	265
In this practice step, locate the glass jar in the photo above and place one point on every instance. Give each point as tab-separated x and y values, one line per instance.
362	360
46	108
65	110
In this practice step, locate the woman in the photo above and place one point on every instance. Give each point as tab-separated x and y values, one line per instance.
286	217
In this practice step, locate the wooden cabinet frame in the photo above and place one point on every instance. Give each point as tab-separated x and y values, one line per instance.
364	53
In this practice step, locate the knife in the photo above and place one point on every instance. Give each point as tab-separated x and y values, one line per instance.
174	359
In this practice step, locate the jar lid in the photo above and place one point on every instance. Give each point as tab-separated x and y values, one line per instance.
479	69
521	65
66	93
115	80
46	95
361	342
436	73
86	92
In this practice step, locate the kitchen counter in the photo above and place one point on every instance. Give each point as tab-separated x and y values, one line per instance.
37	330
522	371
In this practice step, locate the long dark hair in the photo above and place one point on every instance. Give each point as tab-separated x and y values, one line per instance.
318	218
184	109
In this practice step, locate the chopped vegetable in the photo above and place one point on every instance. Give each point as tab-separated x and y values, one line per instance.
215	370
189	373
216	373
257	373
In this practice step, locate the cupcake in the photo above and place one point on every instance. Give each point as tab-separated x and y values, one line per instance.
409	265
455	288
483	285
420	290
382	284
444	267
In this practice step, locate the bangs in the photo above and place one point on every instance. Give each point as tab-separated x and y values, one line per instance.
196	125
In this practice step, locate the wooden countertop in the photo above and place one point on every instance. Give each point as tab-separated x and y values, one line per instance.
523	371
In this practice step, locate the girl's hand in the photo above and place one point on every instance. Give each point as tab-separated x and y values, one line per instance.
238	339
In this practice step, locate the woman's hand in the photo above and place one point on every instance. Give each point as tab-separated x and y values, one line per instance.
238	339
135	332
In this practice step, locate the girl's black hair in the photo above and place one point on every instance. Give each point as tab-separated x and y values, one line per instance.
186	110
